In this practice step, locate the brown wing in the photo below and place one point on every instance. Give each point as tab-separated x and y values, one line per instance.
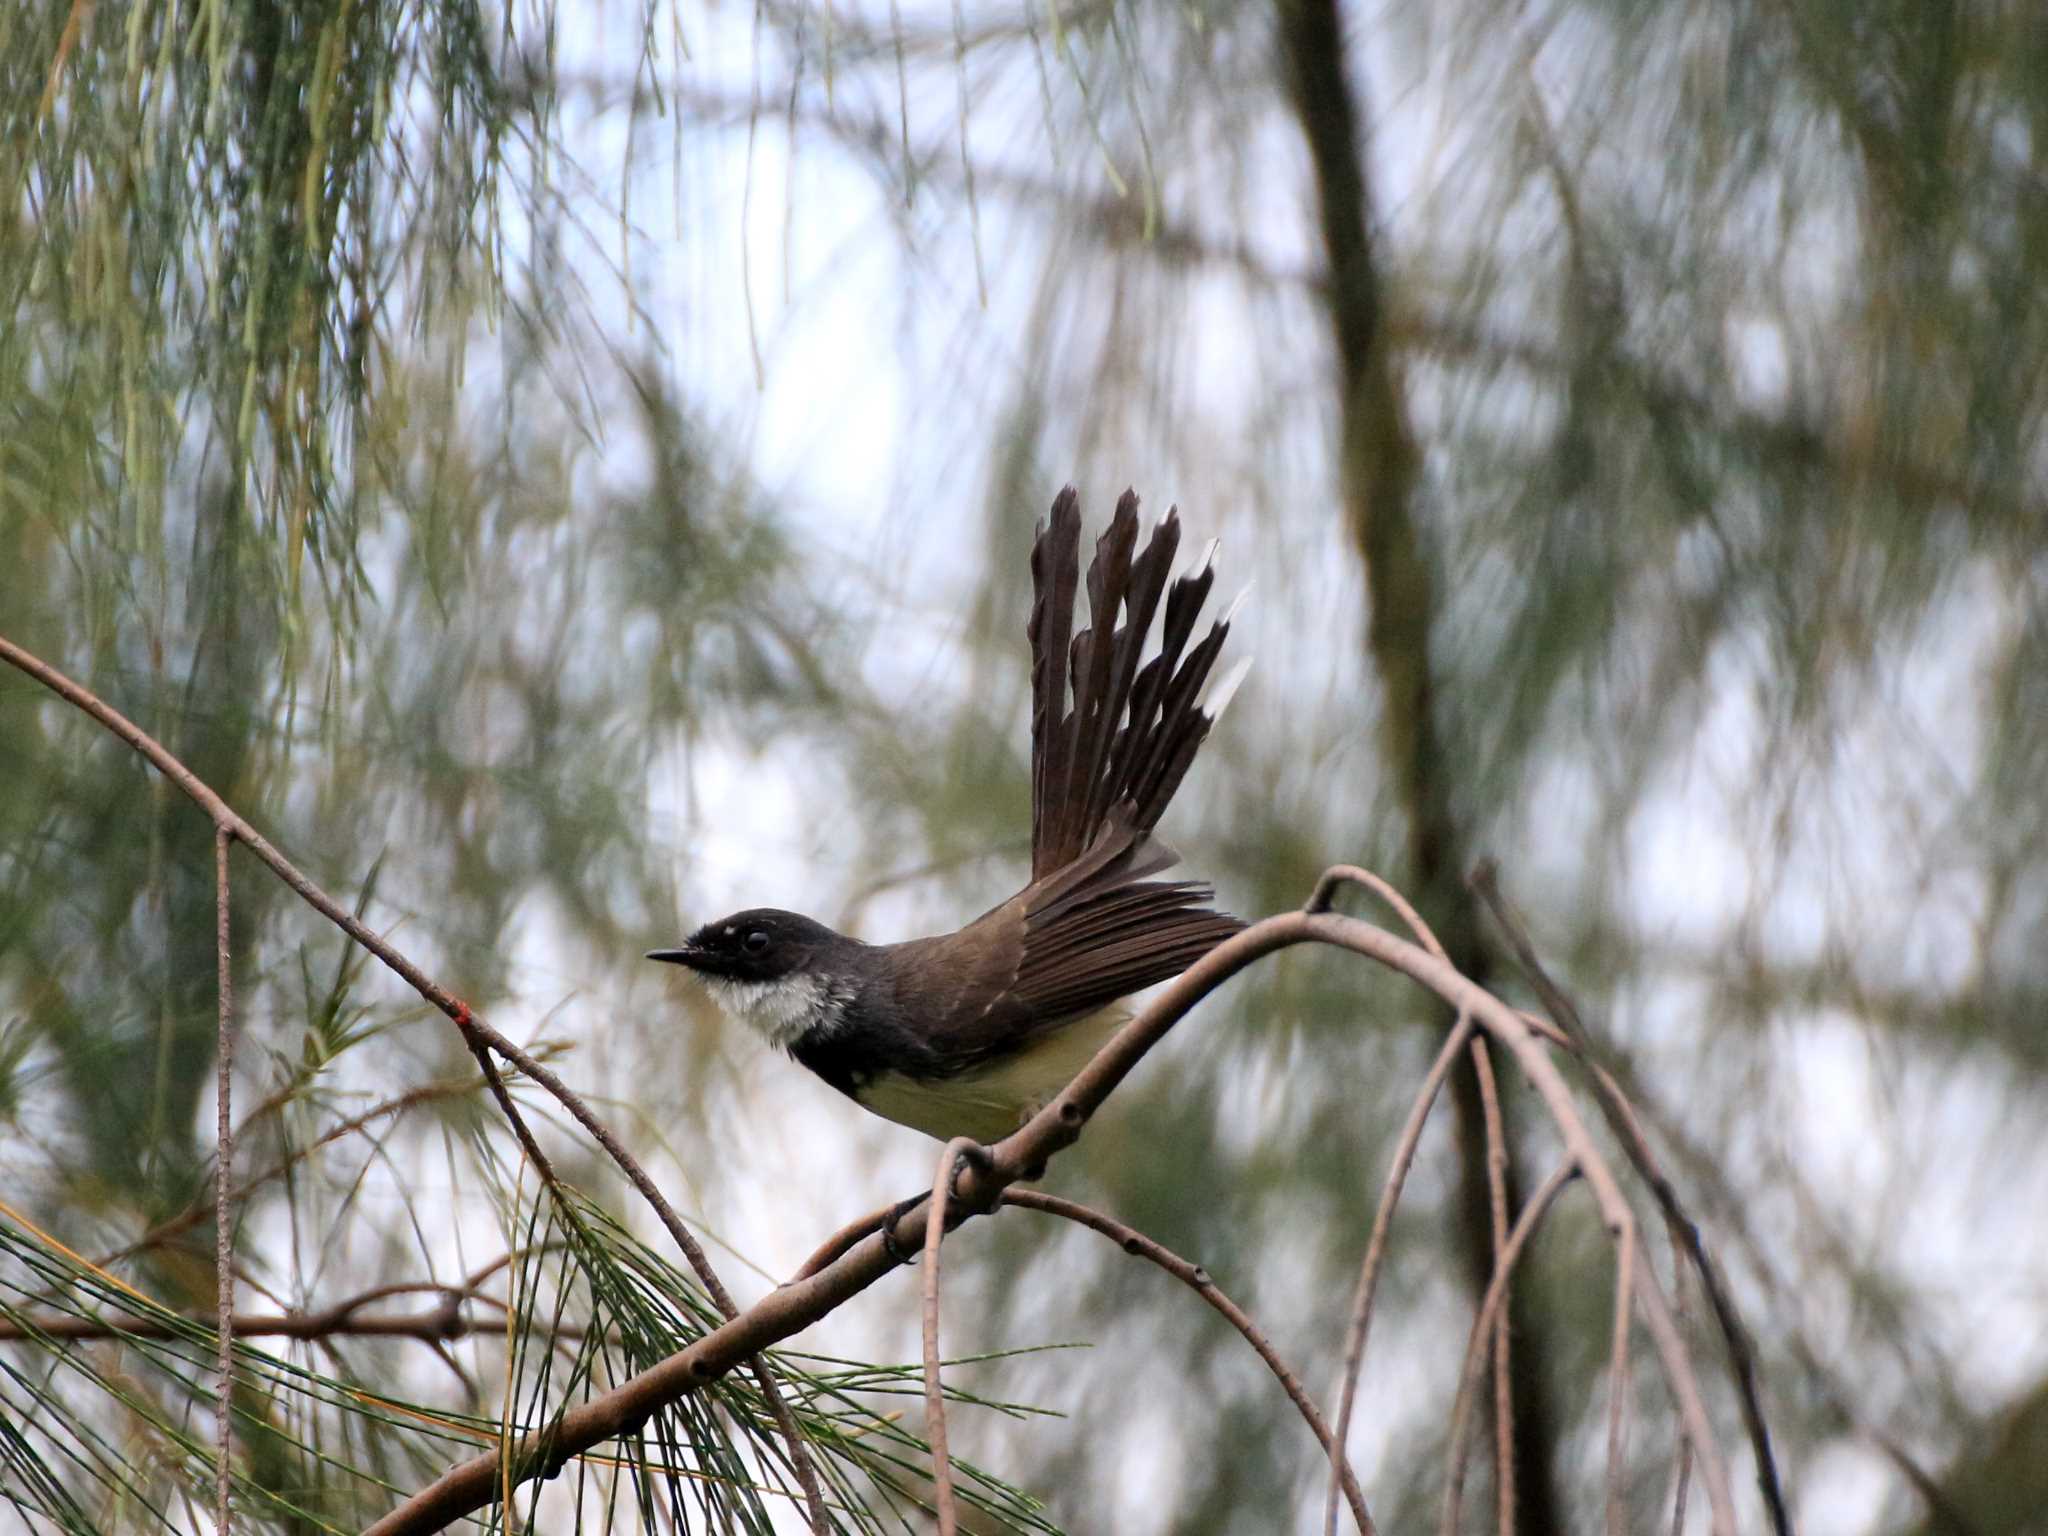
1040	972
1120	939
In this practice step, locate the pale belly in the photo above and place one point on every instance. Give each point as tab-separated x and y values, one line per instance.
992	1101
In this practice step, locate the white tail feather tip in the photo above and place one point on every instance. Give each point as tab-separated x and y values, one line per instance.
1221	691
1236	603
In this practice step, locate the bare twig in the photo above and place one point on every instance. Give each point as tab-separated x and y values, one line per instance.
1137	1244
495	1081
1682	1475
1485	883
1360	1321
1497	1196
1325	893
1490	1307
223	1233
841	1241
435	1326
943	1499
1618	1393
476	1033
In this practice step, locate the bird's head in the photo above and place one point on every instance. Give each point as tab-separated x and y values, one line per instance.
774	971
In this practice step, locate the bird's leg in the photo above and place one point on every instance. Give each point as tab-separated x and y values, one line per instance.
982	1160
896	1213
979	1157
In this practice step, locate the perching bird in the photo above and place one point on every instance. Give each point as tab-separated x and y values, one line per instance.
969	1033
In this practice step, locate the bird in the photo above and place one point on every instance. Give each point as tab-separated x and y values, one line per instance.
969	1033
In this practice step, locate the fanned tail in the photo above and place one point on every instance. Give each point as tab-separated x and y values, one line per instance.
1112	735
1105	766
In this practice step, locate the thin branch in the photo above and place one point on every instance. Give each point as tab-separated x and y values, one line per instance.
1360	1321
224	1155
1194	1276
1682	1479
1618	1394
943	1499
495	1081
1485	883
840	1242
1490	1308
474	1030
431	1327
1321	899
1497	1195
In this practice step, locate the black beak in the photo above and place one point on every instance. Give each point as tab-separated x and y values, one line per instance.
688	955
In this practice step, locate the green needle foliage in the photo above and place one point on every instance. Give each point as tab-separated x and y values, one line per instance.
102	1435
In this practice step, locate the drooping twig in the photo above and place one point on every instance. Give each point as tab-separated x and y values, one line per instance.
1490	1307
1682	1474
1359	1322
1497	1199
1194	1276
1325	893
1485	882
224	1153
1618	1393
943	1500
229	823
495	1081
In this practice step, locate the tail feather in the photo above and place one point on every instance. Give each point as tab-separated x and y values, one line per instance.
1055	574
1141	602
1104	771
1096	706
1183	725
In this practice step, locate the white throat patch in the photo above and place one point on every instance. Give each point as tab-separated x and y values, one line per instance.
780	1010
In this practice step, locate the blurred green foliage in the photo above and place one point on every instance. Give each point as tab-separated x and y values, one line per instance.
329	457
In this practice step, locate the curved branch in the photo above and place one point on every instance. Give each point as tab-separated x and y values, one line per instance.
943	1499
1497	1197
1360	1321
1322	899
1490	1310
1621	1119
1197	1279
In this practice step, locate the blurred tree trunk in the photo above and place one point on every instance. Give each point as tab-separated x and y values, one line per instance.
1377	466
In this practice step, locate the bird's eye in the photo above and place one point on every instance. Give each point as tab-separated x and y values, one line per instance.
755	941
